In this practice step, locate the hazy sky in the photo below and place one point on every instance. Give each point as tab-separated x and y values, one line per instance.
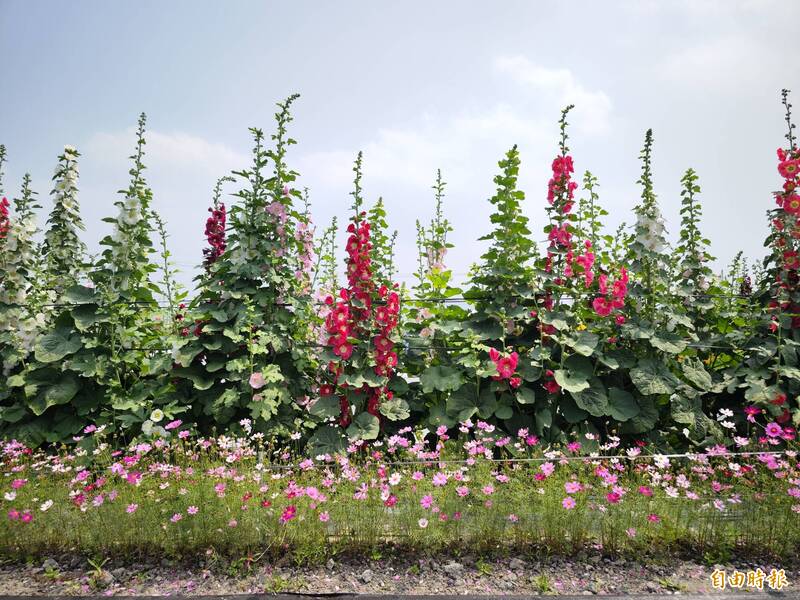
416	86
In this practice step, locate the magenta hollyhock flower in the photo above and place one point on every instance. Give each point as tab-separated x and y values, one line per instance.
773	429
568	503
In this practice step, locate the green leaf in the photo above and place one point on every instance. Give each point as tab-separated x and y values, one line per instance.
671	343
79	294
622	404
441	378
652	377
689	411
574	377
56	345
584	343
593	399
544	418
465	402
326	406
646	419
395	409
185	354
85	316
60	392
327	440
526	395
696	374
364	427
570	410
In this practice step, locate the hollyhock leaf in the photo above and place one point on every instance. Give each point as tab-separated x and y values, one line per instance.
13	414
646	419
15	381
56	345
465	402
574	377
593	399
572	413
487	329
556	319
398	385
584	343
526	395
437	415
670	343
622	404
544	418
618	358
697	375
60	392
184	355
440	378
325	407
197	375
788	372
327	440
527	370
395	409
637	331
651	377
364	427
85	316
79	294
689	411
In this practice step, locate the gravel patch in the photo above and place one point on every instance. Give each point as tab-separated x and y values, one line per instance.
398	574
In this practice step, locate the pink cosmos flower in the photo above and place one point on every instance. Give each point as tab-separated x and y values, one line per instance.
547	468
773	429
653	518
13	515
631	532
131	508
192	510
568	503
324	517
26	517
573	487
289	513
613	497
176	517
426	501
645	491
173	424
439	479
417	476
423	523
462	491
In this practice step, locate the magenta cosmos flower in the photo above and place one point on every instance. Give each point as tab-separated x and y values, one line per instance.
773	429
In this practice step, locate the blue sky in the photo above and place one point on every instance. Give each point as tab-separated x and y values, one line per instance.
416	86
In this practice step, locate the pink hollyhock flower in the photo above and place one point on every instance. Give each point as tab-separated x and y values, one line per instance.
257	381
568	503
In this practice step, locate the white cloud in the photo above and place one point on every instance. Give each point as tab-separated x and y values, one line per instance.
720	62
167	150
593	108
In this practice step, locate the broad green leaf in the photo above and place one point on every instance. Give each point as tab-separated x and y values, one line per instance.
60	392
466	402
525	395
593	399
327	440
670	343
326	406
395	409
441	378
79	294
364	427
696	374
56	345
622	404
652	377
572	413
584	343
644	421
574	377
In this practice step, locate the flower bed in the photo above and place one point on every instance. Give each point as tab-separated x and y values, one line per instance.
229	496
